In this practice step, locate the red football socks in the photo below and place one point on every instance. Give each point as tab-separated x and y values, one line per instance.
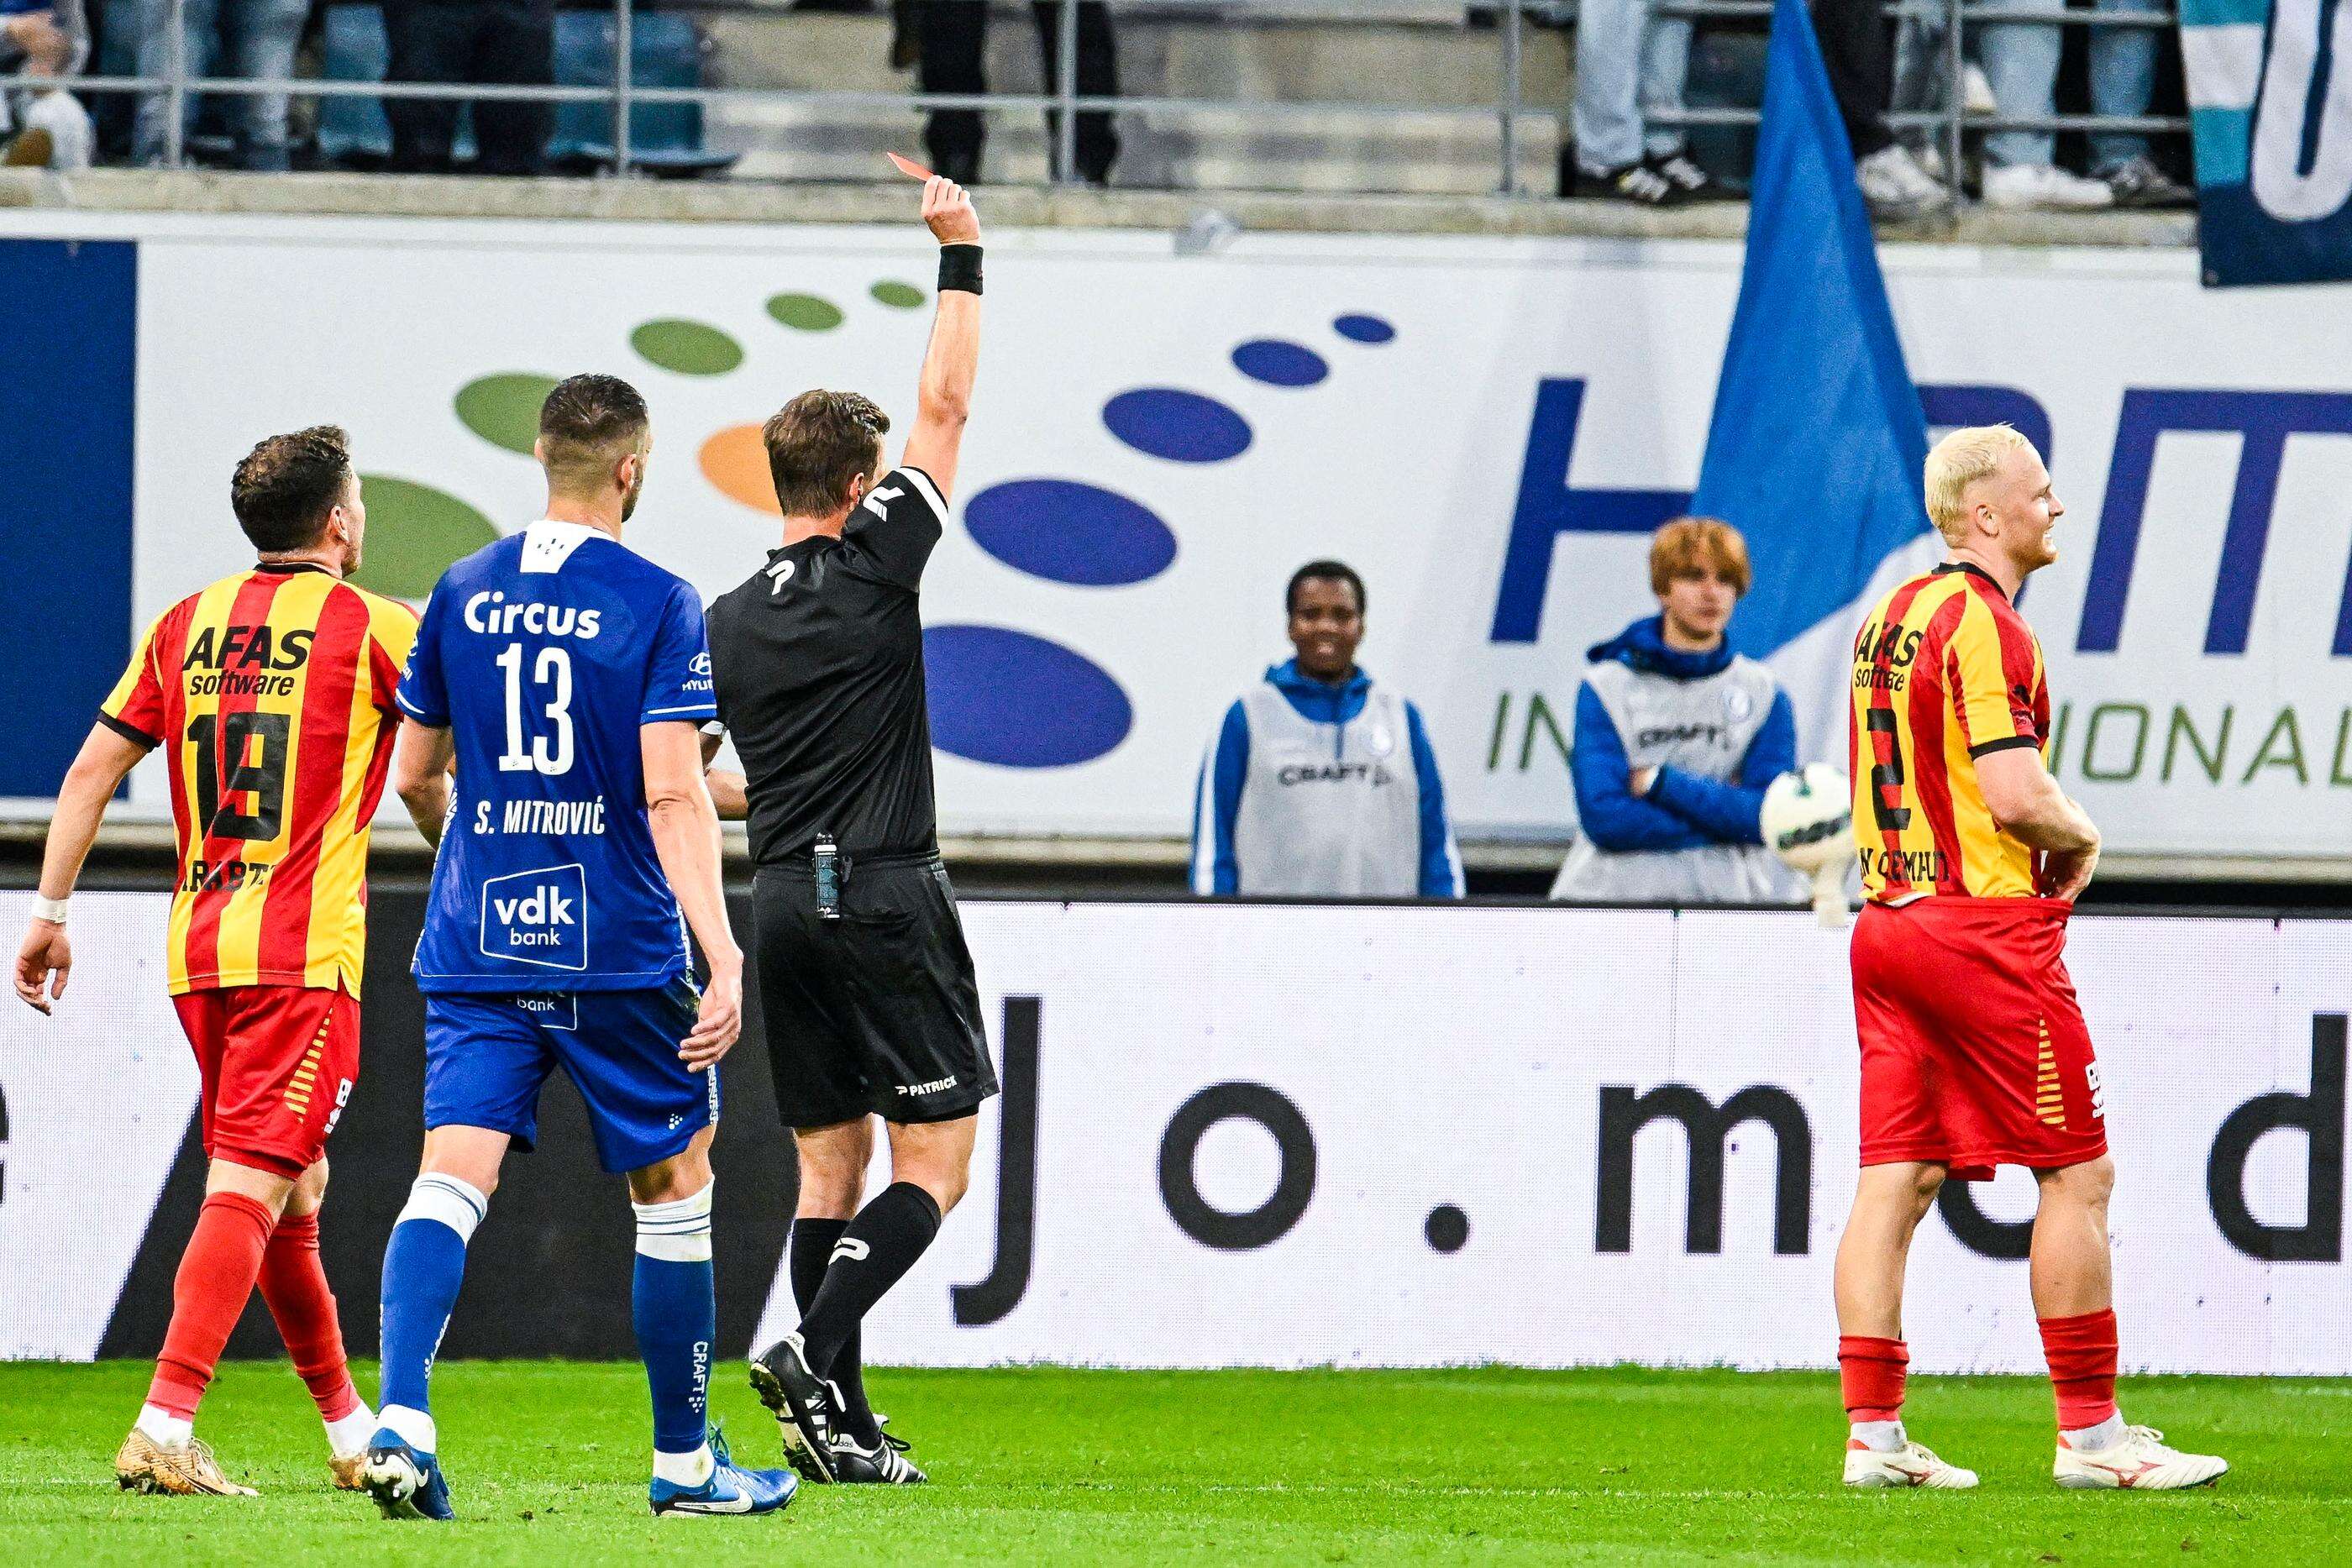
2082	1355
208	1294
1870	1375
295	1286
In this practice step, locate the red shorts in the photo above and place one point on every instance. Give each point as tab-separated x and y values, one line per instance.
1974	1052
278	1062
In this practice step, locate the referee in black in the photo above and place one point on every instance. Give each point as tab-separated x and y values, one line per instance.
865	981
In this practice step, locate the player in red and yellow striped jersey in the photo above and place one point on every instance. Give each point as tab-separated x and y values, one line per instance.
270	692
1945	672
270	695
1974	1052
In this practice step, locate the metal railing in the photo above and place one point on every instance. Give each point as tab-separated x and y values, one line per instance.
1508	110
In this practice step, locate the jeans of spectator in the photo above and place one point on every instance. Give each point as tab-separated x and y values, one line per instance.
2020	61
250	39
1858	47
954	36
1629	65
499	42
1919	68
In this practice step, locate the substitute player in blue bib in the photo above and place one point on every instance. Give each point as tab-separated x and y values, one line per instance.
567	676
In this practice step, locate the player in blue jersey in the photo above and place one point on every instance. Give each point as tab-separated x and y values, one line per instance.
567	676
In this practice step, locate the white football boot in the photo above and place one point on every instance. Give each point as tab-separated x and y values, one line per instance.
1912	1465
2138	1463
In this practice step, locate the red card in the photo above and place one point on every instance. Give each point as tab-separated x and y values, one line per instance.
909	167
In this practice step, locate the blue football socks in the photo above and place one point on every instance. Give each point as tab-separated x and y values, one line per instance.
423	1268
675	1312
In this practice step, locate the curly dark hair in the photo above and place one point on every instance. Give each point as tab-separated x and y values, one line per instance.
286	485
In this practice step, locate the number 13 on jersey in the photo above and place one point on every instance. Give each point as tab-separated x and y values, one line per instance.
550	749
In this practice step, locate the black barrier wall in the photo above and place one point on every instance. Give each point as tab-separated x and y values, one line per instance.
547	1273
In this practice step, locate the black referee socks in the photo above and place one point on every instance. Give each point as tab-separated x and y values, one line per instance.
873	1254
813	1244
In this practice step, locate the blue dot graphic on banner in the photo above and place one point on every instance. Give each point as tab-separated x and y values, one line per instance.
1022	701
1181	426
1017	700
1280	364
1066	530
999	695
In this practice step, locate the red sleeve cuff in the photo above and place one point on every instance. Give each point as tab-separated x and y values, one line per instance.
129	731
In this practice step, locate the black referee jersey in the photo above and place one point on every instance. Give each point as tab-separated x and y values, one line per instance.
818	661
869	1002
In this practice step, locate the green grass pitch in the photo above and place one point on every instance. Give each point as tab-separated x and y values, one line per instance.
1491	1466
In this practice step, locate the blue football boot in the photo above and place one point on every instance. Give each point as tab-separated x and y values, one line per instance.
729	1489
404	1482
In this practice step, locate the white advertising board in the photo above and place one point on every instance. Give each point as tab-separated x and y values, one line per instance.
1299	1135
1394	1136
1159	440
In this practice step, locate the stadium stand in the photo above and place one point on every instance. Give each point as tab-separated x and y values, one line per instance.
667	50
1297	95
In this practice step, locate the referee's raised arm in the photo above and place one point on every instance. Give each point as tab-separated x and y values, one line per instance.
943	399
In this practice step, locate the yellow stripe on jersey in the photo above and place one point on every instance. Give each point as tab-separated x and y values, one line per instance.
338	946
293	608
1977	697
213	606
128	701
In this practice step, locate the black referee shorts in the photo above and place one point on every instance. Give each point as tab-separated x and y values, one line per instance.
877	1010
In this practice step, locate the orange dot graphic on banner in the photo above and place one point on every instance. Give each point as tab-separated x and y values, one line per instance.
737	463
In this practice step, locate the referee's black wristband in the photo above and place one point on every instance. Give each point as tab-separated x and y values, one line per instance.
960	269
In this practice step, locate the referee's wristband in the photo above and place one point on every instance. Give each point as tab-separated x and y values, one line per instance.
960	269
52	909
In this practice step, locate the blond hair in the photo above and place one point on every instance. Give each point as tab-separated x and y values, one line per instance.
1959	461
1698	544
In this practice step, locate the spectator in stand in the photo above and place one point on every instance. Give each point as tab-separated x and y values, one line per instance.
43	126
250	39
1631	65
2021	60
951	36
1676	739
506	43
1858	47
1318	783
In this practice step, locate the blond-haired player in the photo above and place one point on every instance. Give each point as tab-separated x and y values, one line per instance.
1974	1052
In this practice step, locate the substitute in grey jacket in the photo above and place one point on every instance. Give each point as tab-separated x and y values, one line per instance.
1317	789
1719	729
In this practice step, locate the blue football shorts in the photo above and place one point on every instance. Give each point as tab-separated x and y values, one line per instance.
487	1057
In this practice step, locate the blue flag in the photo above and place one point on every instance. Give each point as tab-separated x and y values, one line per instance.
2270	111
1817	442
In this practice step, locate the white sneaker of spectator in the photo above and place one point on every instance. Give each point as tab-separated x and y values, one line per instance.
2044	185
1894	185
1975	91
